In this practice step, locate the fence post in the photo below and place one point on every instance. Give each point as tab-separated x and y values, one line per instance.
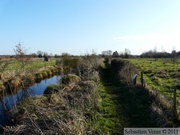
174	100
134	79
142	79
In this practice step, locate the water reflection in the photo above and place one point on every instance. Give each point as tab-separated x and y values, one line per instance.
36	89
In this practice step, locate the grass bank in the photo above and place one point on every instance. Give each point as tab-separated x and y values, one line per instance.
70	108
123	106
92	103
142	106
161	75
12	84
13	76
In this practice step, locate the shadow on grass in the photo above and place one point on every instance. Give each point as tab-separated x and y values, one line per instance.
127	106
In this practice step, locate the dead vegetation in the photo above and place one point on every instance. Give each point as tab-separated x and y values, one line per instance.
70	107
65	112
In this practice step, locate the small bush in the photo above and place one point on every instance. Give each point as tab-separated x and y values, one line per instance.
70	64
125	69
70	78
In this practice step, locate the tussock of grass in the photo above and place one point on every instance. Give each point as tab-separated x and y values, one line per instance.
70	78
12	85
1	86
27	79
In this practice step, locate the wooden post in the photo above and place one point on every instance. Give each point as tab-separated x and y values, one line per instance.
142	79
174	100
134	79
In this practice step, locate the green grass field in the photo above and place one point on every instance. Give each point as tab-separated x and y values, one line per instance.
14	65
13	69
160	74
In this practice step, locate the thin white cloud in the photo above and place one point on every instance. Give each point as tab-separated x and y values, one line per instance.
171	35
136	37
166	40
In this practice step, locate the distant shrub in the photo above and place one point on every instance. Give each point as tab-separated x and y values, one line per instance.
124	69
88	66
117	64
70	64
82	66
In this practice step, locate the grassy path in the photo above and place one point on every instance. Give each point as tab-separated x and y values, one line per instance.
121	105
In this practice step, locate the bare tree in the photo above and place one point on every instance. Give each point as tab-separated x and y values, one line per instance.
127	53
65	54
115	54
173	56
155	49
40	54
107	53
21	56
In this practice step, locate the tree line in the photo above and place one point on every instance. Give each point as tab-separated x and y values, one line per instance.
107	53
155	54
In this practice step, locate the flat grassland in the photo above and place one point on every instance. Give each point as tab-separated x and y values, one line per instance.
15	65
12	69
160	74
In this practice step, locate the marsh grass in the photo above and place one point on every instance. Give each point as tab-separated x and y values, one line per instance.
12	82
12	76
81	66
66	112
72	107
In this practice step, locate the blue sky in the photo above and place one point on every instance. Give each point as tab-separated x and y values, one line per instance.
80	26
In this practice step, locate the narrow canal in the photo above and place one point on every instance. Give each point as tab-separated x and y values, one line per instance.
36	89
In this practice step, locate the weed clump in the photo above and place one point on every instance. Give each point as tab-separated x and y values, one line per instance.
70	78
27	79
1	85
12	85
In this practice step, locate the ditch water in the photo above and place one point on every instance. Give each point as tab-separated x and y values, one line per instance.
36	89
